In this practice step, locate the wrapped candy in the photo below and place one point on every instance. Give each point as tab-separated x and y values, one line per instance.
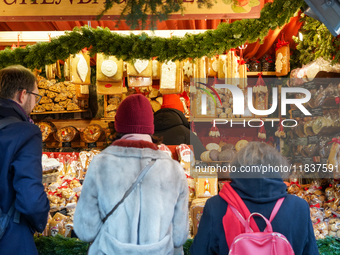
334	227
317	196
186	157
320	230
62	167
166	149
68	229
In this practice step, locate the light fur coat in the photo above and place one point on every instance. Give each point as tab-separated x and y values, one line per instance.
153	219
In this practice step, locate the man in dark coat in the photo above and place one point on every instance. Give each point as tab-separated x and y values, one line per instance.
171	124
20	161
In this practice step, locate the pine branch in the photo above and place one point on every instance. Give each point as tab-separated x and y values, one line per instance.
129	47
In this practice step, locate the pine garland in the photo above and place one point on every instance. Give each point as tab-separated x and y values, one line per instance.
129	47
329	246
60	245
136	12
72	246
317	42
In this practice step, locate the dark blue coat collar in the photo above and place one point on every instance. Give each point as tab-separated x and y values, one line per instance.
10	108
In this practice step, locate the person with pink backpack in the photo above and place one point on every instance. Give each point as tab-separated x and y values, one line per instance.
253	214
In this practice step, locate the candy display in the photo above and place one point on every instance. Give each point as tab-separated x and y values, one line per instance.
64	194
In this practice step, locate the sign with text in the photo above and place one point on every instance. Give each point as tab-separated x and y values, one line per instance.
53	10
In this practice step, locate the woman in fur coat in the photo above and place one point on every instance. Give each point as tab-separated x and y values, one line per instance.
153	219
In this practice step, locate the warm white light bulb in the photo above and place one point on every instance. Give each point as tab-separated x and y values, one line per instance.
300	36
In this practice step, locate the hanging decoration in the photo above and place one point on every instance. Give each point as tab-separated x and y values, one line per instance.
282	52
260	91
262	133
143	46
242	68
214	132
280	131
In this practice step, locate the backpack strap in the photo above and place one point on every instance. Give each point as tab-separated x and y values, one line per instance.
239	217
272	216
11	209
276	208
268	229
133	186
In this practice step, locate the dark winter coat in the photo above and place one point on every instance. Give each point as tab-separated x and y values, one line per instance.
172	125
259	195
21	179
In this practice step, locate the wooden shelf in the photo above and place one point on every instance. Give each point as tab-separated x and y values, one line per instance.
50	112
108	118
78	123
76	144
263	73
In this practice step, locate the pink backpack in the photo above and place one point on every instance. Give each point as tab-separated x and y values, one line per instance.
260	243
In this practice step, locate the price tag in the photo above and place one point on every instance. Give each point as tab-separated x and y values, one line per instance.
323	161
309	85
68	144
318	111
296	114
301	141
307	161
291	142
298	158
92	145
313	139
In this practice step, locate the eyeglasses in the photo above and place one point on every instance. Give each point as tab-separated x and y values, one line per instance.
37	96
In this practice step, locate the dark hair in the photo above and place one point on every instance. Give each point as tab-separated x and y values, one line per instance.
14	78
155	139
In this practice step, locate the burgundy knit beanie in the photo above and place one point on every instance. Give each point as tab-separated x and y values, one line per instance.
134	115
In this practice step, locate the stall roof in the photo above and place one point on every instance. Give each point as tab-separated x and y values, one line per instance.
254	50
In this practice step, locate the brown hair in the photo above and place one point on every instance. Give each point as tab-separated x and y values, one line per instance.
14	78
